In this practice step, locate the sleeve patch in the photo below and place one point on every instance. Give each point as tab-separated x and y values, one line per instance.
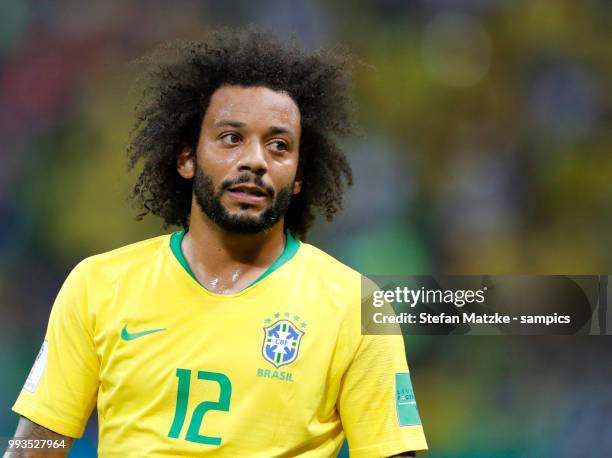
37	369
405	402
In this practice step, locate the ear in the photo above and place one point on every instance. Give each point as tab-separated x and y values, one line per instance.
185	163
297	184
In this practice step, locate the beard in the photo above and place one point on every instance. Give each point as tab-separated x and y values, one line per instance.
209	202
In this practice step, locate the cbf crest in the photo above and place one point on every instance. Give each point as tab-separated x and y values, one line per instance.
281	342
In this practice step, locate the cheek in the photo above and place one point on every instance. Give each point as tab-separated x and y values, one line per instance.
288	182
285	173
214	163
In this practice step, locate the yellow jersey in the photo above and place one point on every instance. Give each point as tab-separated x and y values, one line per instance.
279	369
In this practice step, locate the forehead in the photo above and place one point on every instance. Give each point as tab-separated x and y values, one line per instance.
253	105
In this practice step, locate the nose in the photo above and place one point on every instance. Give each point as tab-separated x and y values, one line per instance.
253	158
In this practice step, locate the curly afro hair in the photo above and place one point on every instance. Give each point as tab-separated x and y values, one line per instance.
178	82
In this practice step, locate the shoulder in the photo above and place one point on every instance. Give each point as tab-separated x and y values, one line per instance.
334	270
132	257
337	282
334	282
326	266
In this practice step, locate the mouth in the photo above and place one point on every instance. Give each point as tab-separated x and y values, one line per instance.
248	194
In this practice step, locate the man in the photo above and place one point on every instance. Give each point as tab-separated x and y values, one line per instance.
231	337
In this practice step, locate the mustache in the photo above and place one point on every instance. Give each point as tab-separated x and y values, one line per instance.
247	178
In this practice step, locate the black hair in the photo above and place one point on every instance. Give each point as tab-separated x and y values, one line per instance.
178	82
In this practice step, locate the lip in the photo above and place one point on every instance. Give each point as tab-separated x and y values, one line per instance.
249	189
243	194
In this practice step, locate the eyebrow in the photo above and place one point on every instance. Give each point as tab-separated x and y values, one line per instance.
280	130
227	123
237	124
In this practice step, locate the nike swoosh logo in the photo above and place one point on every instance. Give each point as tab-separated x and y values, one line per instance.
125	335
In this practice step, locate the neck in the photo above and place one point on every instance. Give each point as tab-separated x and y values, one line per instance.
227	262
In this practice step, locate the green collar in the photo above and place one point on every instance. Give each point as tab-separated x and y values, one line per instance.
291	248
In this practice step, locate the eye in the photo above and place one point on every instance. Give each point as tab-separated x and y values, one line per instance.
230	139
280	145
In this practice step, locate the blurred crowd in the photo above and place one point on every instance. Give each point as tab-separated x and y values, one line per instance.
485	147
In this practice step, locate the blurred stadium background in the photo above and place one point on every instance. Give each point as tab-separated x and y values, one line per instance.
487	149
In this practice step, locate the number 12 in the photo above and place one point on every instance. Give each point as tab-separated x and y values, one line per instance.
182	400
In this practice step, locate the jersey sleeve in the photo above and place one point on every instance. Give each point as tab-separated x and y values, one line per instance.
60	391
376	403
